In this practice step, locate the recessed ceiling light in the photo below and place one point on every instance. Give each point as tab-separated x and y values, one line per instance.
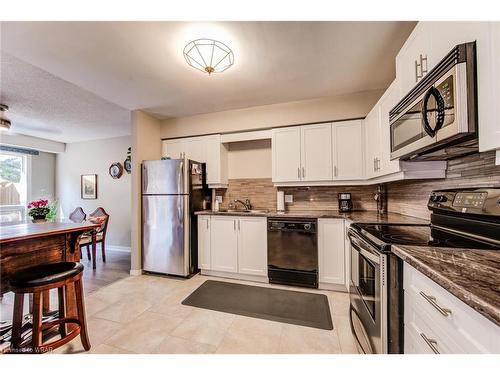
4	121
208	55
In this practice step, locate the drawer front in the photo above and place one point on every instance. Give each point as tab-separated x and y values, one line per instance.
426	337
449	316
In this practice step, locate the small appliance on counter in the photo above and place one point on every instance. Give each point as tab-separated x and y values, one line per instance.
280	202
345	202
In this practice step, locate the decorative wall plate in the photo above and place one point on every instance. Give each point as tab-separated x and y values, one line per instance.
128	165
116	170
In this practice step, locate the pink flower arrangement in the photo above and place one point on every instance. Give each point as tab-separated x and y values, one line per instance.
38	208
40	203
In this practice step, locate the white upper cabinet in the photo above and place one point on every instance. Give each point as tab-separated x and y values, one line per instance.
372	142
252	246
316	152
286	154
205	149
489	92
216	159
386	103
174	148
348	150
414	60
224	243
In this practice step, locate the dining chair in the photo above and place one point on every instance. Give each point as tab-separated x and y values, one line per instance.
101	217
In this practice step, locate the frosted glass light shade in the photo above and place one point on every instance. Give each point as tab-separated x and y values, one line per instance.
208	55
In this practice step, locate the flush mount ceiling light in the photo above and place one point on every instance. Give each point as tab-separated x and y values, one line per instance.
4	121
208	55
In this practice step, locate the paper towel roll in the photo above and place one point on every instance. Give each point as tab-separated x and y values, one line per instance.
280	201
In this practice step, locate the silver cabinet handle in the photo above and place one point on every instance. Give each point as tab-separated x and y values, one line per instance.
234	225
374	164
335	171
238	225
303	172
432	301
431	342
298	172
416	71
207	224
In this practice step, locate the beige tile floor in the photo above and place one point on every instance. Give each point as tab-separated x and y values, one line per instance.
144	314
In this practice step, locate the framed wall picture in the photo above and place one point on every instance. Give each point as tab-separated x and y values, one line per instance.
89	186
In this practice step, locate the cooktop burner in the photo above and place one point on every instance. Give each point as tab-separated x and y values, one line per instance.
419	235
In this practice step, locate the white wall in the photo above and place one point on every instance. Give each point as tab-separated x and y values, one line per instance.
146	145
339	107
250	159
43	176
114	195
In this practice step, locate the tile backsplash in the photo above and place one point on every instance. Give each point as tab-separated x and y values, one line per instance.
406	197
262	195
410	197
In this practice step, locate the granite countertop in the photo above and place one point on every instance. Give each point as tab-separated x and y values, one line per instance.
470	275
354	216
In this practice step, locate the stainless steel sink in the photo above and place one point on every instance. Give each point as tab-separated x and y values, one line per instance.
245	211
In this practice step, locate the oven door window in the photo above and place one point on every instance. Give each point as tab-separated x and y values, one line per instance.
408	128
364	278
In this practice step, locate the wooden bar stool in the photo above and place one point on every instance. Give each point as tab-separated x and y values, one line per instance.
40	279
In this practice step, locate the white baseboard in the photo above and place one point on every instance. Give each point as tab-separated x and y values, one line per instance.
238	276
135	272
123	249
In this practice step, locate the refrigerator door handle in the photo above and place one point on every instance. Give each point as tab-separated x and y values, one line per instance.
180	177
144	177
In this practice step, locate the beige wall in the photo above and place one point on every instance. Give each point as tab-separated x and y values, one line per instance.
146	145
300	112
250	159
95	157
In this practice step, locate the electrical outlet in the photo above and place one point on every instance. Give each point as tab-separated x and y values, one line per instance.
218	198
288	198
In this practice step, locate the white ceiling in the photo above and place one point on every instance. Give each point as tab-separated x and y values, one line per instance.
139	65
45	106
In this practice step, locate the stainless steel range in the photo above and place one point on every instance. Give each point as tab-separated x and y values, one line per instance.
461	218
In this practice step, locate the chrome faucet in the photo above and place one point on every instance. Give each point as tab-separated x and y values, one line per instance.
246	203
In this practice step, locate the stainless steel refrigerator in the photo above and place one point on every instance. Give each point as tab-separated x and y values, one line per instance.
172	190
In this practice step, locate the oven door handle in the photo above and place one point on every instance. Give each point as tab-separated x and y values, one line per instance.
362	247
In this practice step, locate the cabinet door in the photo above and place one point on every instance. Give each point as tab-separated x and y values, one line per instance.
407	71
213	159
331	251
224	243
174	149
348	150
387	102
204	255
372	142
195	149
286	154
252	246
316	152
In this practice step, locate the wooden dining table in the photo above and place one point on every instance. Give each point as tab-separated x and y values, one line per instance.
29	244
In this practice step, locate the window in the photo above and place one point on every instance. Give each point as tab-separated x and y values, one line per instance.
13	187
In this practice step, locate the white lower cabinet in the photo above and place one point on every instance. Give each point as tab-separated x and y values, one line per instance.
204	255
224	243
435	321
331	253
252	246
235	246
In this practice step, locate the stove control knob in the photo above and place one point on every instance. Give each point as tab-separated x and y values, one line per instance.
307	226
434	198
442	198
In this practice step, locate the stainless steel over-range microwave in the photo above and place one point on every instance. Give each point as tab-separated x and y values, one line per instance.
437	119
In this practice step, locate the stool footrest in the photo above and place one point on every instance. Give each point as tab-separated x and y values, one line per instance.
59	322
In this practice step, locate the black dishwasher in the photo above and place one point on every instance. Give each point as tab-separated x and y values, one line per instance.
292	251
